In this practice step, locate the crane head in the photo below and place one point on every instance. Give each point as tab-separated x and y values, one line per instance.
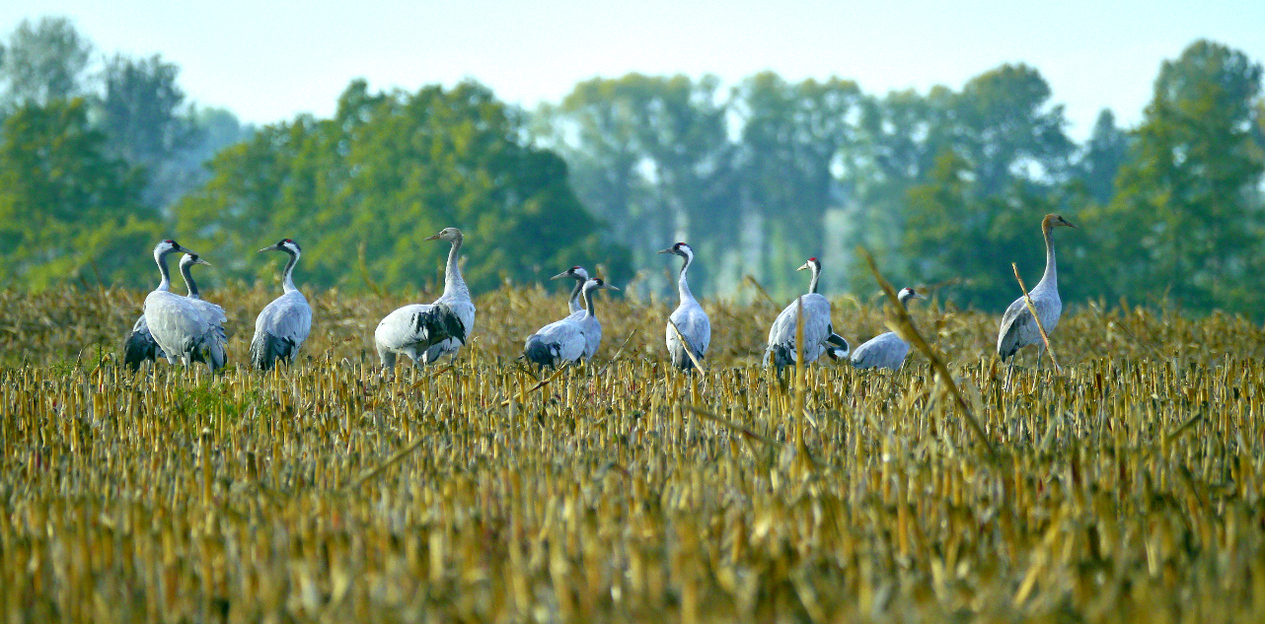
598	283
813	263
679	249
168	246
907	293
450	234
191	259
576	272
287	245
1053	221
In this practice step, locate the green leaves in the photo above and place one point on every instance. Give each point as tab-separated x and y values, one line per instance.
387	171
67	211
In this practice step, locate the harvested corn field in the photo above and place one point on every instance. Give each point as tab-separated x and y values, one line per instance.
1126	488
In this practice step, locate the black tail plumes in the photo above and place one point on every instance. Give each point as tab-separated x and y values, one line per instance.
267	349
541	353
138	348
438	324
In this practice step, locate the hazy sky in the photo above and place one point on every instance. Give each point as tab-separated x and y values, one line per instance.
270	60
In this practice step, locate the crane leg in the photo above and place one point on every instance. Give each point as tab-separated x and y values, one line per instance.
1010	368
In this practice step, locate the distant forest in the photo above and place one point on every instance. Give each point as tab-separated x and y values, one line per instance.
102	155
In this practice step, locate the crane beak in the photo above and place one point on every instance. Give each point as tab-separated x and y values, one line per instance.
611	287
201	261
803	266
268	248
435	237
561	275
669	250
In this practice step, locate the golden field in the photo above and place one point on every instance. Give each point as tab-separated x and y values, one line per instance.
1129	487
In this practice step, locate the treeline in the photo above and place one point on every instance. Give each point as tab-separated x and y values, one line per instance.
946	187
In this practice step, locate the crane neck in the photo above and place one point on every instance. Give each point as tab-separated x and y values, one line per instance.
453	284
287	277
574	302
186	272
812	285
1050	279
588	302
161	260
682	286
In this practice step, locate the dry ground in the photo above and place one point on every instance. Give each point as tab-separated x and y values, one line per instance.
1127	488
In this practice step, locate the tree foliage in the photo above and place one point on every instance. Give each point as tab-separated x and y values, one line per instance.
44	62
68	210
387	171
1187	220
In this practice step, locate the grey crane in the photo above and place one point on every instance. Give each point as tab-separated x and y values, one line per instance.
570	340
426	332
1018	330
885	350
283	324
185	328
139	346
577	273
819	335
689	317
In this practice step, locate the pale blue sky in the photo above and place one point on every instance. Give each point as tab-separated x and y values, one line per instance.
270	60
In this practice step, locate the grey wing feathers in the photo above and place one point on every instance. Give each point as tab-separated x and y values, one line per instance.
280	330
557	343
696	328
882	351
1016	327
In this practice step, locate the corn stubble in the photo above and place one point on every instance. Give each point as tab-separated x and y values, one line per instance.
1128	488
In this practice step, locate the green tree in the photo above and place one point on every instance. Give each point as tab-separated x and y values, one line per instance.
1006	127
1102	157
1186	219
388	170
652	155
142	113
67	209
43	62
795	143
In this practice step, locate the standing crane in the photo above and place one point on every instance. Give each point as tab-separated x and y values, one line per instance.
571	339
214	313
1017	327
885	350
427	331
185	328
139	346
283	325
819	336
690	319
577	273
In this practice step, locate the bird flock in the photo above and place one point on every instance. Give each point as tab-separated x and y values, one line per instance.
190	330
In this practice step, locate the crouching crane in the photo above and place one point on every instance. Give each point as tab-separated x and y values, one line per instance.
885	350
